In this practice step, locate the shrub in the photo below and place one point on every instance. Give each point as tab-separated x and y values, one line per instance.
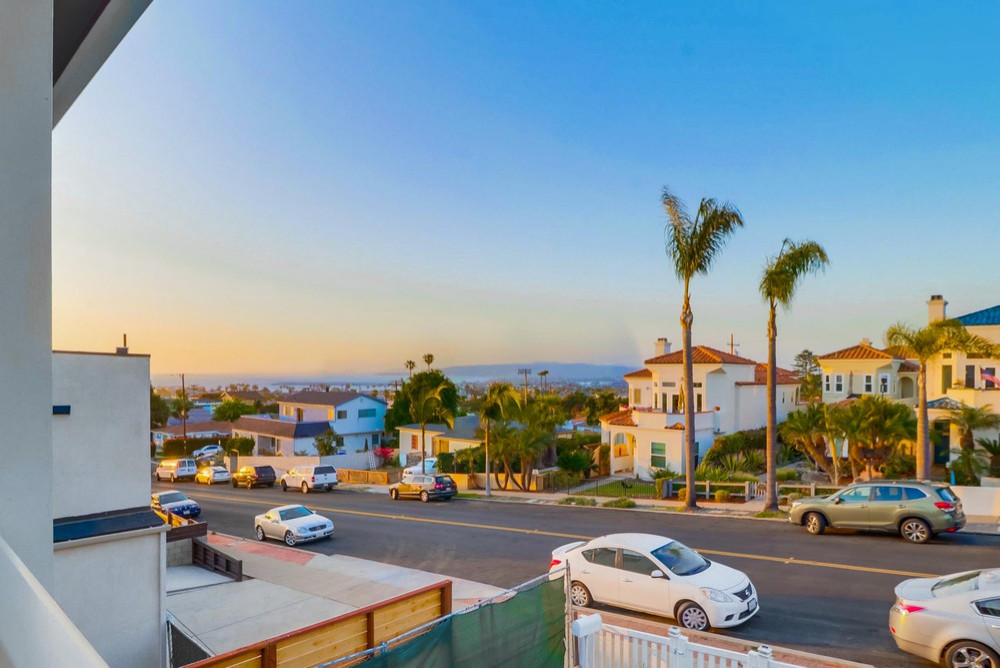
899	465
566	479
786	475
793	497
722	496
619	503
445	462
383	455
328	443
682	494
242	444
664	473
577	501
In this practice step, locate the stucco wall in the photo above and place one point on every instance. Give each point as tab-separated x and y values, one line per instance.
119	608
105	436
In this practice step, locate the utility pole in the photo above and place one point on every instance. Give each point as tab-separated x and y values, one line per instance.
525	373
184	410
732	345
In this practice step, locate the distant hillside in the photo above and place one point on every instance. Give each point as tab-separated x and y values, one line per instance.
558	371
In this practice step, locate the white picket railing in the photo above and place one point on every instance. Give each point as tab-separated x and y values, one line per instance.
601	645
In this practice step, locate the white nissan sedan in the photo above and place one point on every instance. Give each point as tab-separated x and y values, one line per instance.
657	575
292	524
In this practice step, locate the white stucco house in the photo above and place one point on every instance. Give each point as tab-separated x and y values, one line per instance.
439	438
280	437
864	369
730	394
359	418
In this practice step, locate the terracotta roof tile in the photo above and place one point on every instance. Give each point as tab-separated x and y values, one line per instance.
619	418
700	355
640	373
909	367
862	351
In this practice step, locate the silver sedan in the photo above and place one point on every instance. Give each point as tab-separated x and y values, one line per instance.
292	524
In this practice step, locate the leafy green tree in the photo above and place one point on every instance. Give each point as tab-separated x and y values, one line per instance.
575	403
937	337
969	419
426	407
602	403
806	366
806	430
778	283
500	400
159	409
328	442
693	245
180	406
399	413
230	411
242	444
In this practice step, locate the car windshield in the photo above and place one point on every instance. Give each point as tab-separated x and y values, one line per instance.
444	480
172	497
218	469
320	470
959	584
294	513
265	469
680	559
946	494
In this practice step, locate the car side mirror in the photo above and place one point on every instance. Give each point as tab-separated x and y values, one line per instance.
837	502
657	574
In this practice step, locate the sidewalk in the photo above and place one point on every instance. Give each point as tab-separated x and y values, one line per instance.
289	589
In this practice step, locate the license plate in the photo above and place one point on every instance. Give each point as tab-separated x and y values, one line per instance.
752	604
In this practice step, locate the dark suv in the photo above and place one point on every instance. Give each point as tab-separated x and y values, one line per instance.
254	476
916	509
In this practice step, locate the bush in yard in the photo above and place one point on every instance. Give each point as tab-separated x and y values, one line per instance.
383	455
577	501
793	497
242	444
722	496
178	447
566	479
786	475
445	462
682	494
619	503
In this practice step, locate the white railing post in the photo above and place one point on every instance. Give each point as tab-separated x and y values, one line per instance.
585	630
677	646
759	658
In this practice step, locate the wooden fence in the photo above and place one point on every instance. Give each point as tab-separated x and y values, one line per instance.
349	633
182	528
206	556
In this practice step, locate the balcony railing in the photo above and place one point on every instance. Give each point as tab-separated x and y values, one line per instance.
42	634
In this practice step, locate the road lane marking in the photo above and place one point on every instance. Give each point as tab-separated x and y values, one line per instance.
538	532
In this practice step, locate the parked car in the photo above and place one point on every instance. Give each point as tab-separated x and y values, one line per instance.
292	524
176	469
430	466
254	476
426	487
308	478
212	474
915	509
657	575
175	502
207	451
953	620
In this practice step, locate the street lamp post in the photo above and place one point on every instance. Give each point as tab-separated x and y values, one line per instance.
524	372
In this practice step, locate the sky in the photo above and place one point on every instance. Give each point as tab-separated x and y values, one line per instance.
317	187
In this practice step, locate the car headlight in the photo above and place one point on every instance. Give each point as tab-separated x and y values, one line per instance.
716	595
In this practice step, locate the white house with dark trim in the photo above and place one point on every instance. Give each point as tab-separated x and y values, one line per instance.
280	437
358	418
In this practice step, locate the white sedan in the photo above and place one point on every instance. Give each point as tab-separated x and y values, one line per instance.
212	475
657	575
428	465
292	524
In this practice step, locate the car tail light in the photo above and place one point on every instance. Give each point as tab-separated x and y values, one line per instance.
907	609
438	485
555	562
946	506
312	479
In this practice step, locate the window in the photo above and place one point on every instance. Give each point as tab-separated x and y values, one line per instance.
856	495
299	414
993	372
655	401
636	396
890	493
696	384
376	439
838	383
970	375
914	494
670	384
675	403
989	607
331	414
601	556
869	383
883	383
413	442
826	383
658	455
633	562
946	356
946	380
697	403
956	585
294	513
341	415
680	559
366	413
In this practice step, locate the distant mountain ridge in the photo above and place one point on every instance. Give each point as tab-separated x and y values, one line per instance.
558	371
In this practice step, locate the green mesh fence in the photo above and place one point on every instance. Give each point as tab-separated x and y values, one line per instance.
526	630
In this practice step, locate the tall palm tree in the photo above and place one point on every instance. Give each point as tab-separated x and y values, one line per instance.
807	429
425	408
992	448
543	375
428	360
969	419
498	402
937	337
410	366
778	282
692	245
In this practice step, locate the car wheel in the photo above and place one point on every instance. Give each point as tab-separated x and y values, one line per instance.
393	494
915	530
260	533
970	653
580	595
235	483
249	483
305	488
424	497
289	539
815	523
284	486
692	616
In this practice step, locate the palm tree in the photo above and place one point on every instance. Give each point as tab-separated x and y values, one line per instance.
937	337
969	419
692	245
410	366
969	465
807	429
992	448
428	360
543	375
778	282
426	407
499	400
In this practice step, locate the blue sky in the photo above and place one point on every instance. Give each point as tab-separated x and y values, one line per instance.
337	187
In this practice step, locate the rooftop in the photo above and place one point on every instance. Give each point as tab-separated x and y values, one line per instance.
700	355
281	428
318	398
986	316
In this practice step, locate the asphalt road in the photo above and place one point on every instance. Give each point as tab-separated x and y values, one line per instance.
828	594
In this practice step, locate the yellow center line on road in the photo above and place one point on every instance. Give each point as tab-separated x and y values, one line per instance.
555	534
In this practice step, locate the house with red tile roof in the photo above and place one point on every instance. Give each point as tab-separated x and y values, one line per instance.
864	369
730	394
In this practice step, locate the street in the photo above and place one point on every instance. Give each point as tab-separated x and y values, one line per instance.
827	594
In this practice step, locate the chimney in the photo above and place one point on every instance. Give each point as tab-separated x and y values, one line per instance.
866	342
936	308
123	348
662	346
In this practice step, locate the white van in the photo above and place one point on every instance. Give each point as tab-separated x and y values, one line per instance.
307	478
176	469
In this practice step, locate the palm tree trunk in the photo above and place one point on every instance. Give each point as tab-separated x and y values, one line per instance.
486	423
771	497
923	441
690	449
